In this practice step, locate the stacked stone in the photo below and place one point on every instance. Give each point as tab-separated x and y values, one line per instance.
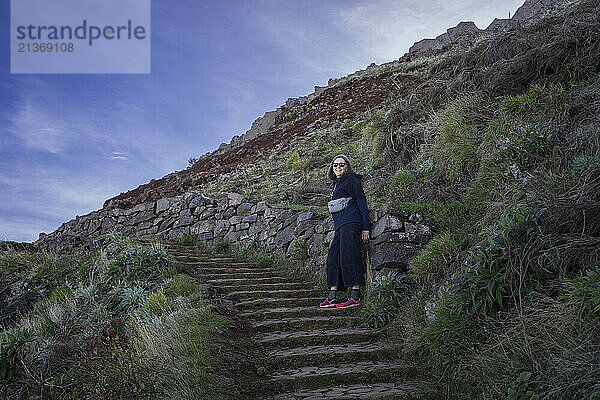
397	235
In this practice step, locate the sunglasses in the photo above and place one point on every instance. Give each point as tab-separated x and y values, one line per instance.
338	164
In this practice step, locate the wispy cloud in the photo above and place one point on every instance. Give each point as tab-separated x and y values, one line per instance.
38	130
119	155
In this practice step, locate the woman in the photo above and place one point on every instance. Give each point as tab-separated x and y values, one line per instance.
348	207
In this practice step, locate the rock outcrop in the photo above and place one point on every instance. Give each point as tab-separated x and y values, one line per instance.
464	34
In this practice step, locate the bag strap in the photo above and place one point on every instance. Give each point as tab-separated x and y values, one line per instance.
334	187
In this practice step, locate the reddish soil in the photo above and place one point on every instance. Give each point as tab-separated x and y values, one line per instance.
334	104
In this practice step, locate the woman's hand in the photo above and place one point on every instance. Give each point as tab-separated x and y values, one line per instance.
365	236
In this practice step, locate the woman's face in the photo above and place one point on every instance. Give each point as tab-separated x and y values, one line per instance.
339	167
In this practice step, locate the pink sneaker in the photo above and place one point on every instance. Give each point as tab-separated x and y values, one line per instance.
351	302
328	303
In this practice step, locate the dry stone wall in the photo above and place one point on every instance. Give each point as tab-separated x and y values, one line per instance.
397	236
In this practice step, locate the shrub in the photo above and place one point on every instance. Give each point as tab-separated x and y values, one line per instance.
157	303
585	290
456	217
138	263
59	294
542	101
358	127
295	162
527	145
454	147
435	256
403	179
379	311
186	239
523	388
450	337
387	293
12	348
182	285
583	164
222	247
11	262
495	272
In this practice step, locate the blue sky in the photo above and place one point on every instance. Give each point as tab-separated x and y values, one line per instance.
70	141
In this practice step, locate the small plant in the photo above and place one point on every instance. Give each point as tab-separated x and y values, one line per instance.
585	290
223	247
403	179
157	303
192	161
426	168
492	273
129	299
435	256
253	243
138	263
387	293
12	348
59	294
393	286
186	240
295	162
182	285
583	164
523	388
300	251
379	311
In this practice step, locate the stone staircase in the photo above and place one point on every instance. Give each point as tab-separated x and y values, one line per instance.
308	352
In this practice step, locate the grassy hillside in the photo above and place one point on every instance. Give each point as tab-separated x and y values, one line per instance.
120	322
499	146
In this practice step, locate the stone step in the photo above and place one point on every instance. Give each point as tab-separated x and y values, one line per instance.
345	369
193	251
330	354
375	391
317	336
267	274
201	257
263	286
363	372
235	272
336	349
305	323
248	281
214	263
278	312
257	294
266	303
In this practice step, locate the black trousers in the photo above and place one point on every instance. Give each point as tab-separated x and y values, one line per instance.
345	267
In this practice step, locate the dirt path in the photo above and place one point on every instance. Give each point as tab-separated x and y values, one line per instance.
298	350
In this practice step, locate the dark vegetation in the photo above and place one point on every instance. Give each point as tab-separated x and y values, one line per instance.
119	322
498	145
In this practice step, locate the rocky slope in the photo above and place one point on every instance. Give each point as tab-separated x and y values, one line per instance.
340	100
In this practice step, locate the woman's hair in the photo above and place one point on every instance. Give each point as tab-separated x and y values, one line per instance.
330	173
